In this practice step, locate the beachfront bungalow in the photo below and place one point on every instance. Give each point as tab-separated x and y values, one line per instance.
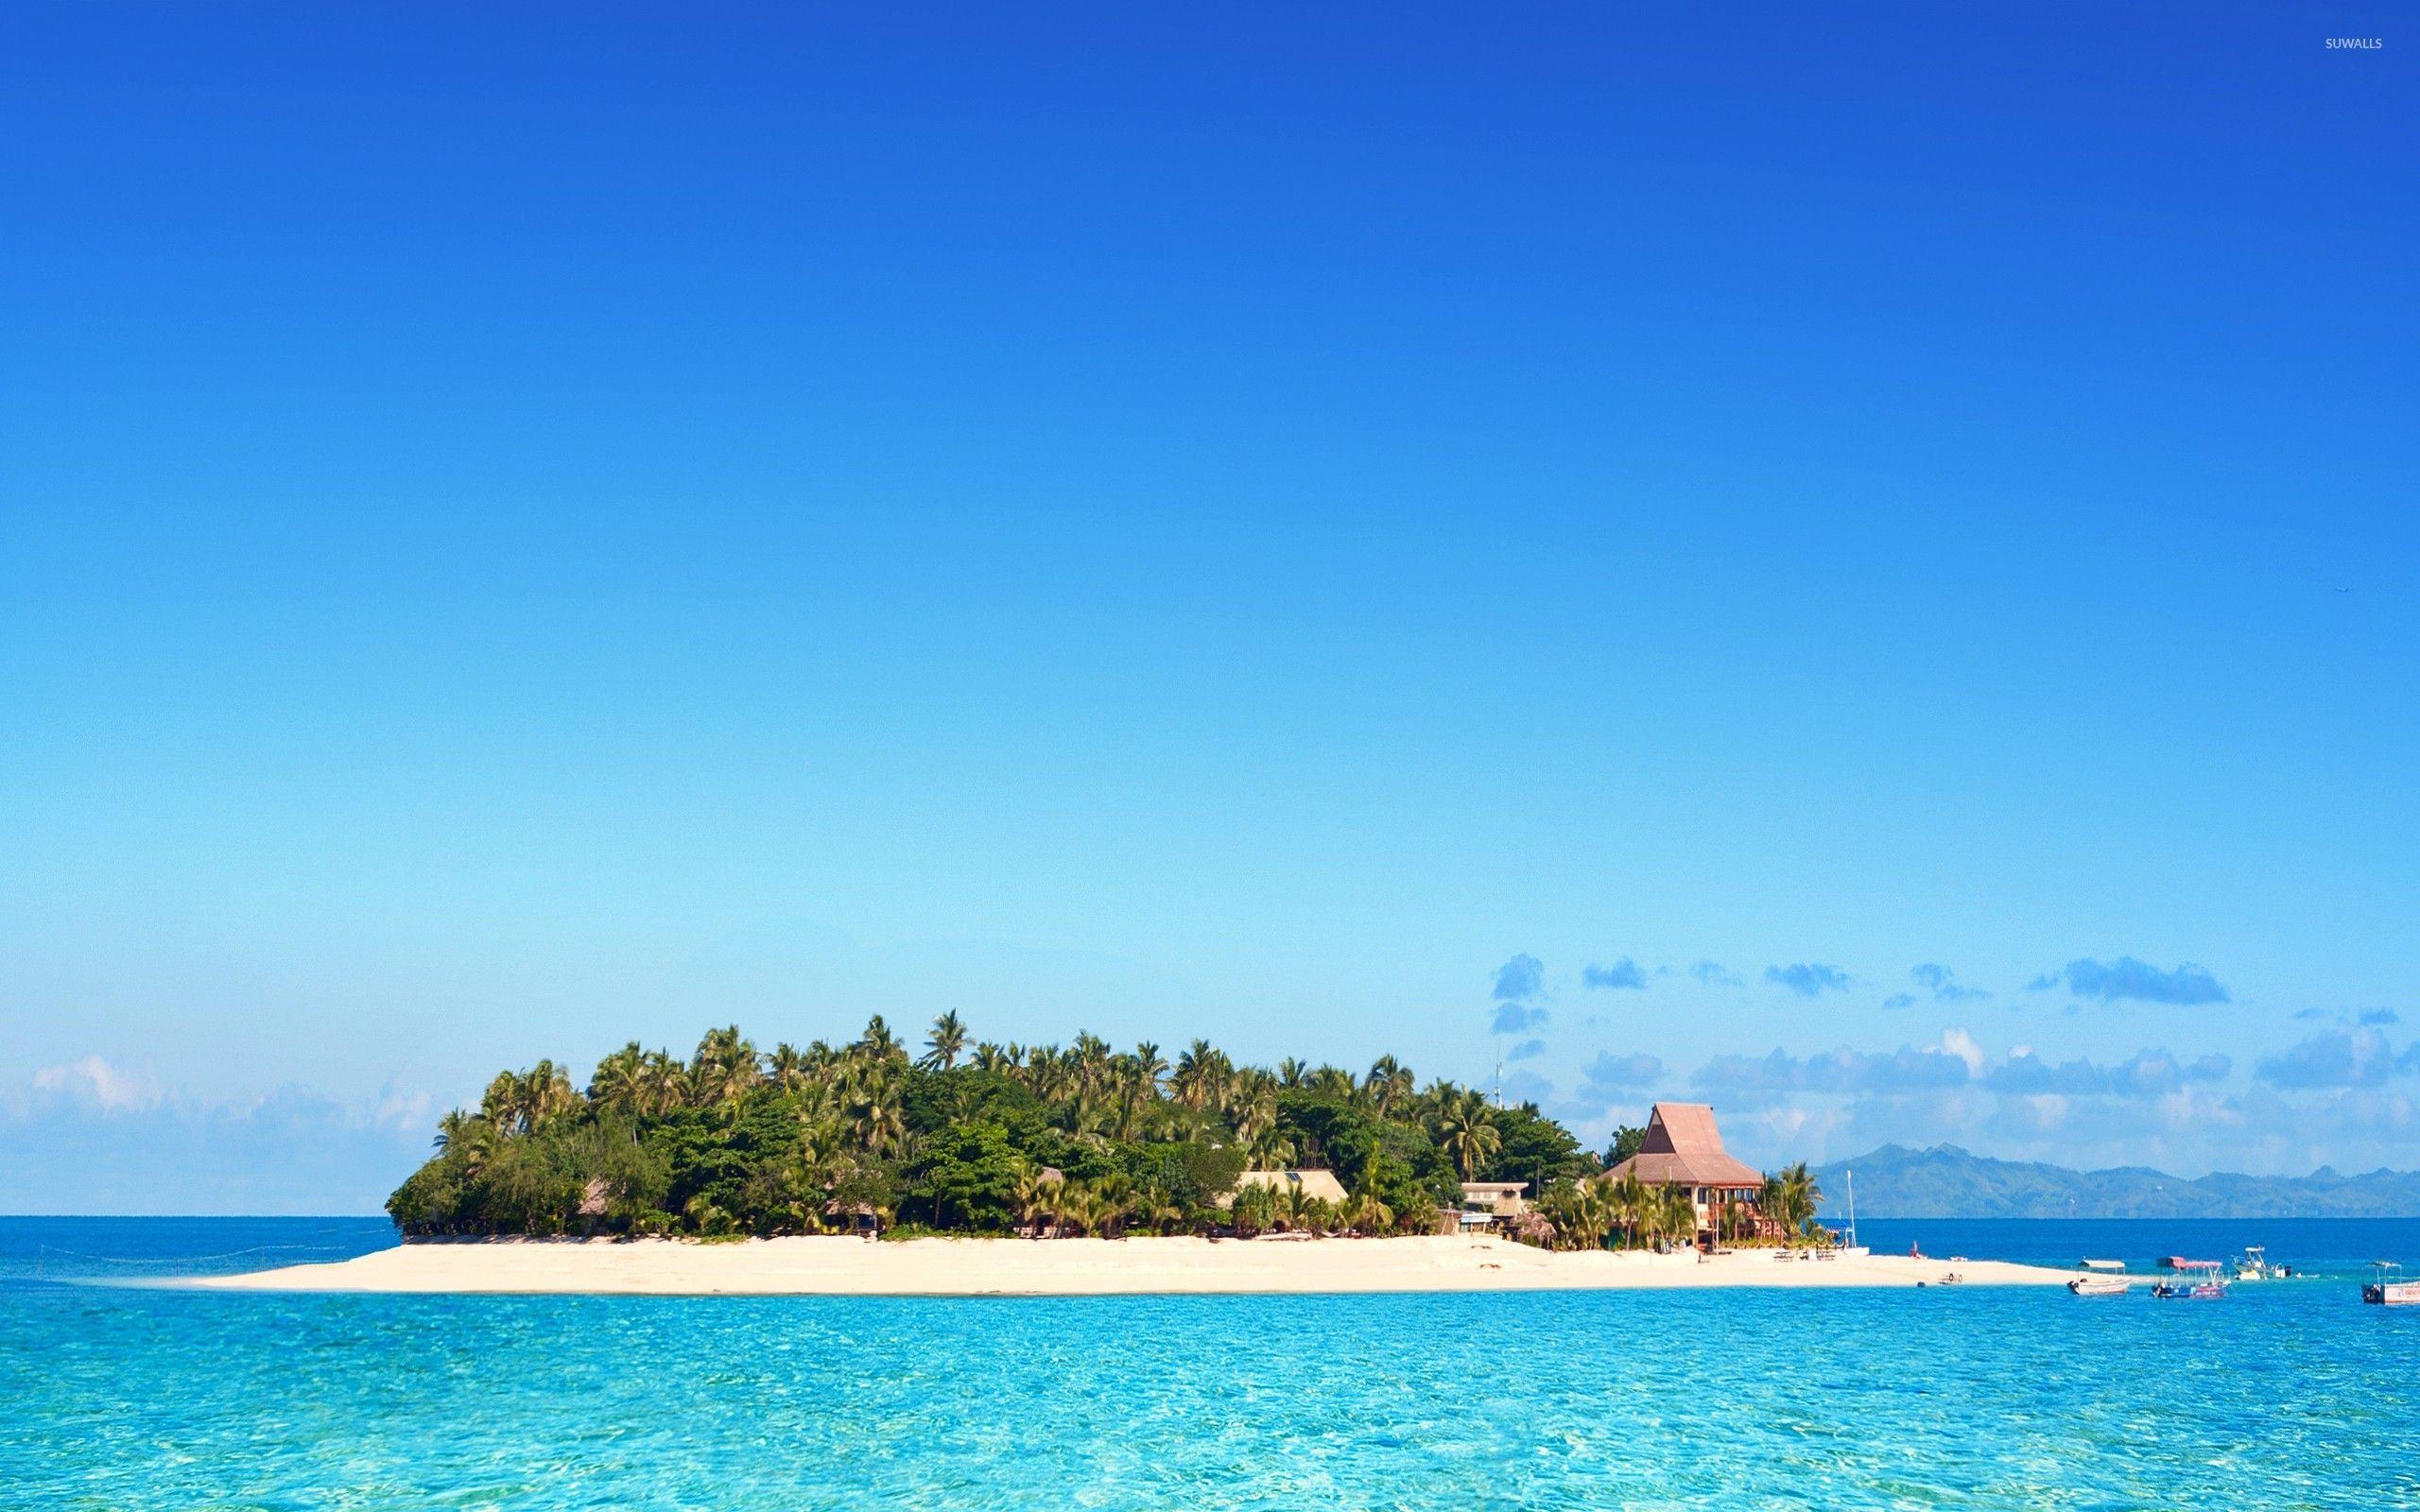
1487	1204
1321	1184
1497	1200
1685	1149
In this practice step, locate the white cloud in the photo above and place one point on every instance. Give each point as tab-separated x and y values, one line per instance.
1962	1045
115	1089
96	1136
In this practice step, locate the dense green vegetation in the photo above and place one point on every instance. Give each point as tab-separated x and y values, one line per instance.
1587	1213
963	1138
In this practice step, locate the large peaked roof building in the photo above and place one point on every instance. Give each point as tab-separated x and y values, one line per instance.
1685	1149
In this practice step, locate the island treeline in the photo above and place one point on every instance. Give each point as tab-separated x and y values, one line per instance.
967	1138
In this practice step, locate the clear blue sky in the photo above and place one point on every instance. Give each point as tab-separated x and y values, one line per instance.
519	530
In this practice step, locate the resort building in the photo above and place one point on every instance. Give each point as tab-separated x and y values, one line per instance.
1685	1149
1321	1184
1497	1200
1486	1205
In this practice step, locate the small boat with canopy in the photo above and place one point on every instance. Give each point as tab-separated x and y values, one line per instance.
2102	1277
2196	1281
2387	1292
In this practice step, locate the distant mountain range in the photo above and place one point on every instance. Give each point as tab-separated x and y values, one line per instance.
1947	1182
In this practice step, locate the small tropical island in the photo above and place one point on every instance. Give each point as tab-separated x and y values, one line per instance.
1050	1142
987	1168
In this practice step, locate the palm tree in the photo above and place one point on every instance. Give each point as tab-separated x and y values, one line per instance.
1676	1215
1254	1209
1298	1207
1796	1196
501	1104
877	1043
1388	1085
787	1067
946	1043
1571	1208
1202	1075
619	1081
881	1123
1035	1190
1628	1197
1151	1065
1112	1197
1161	1211
664	1083
1466	1132
725	1066
1332	1081
1368	1213
467	1136
548	1093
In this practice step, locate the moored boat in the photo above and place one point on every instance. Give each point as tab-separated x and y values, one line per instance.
2256	1265
2100	1285
2197	1281
2390	1294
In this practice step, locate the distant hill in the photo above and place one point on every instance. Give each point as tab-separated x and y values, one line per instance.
1947	1182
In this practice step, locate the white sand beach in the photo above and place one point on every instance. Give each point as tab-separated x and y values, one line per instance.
1081	1267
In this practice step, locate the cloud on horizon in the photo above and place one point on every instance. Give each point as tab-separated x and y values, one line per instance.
1711	973
1809	979
2127	979
1622	974
2338	1059
2342	1097
2146	1073
94	1136
1906	1069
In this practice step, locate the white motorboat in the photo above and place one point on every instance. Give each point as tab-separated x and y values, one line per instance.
2102	1277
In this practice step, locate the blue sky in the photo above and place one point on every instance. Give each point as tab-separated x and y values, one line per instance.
519	531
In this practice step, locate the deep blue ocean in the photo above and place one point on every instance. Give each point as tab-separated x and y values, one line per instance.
2290	1394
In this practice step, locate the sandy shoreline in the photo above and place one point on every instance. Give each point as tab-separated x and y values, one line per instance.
1077	1267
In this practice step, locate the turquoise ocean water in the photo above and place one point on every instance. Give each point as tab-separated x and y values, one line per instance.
2288	1395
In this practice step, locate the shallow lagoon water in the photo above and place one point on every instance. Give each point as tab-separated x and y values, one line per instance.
2284	1394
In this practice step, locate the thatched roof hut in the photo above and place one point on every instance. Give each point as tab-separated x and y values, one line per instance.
1685	1149
1321	1184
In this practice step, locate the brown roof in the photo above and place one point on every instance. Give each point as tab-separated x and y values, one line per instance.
1321	1184
1684	1148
